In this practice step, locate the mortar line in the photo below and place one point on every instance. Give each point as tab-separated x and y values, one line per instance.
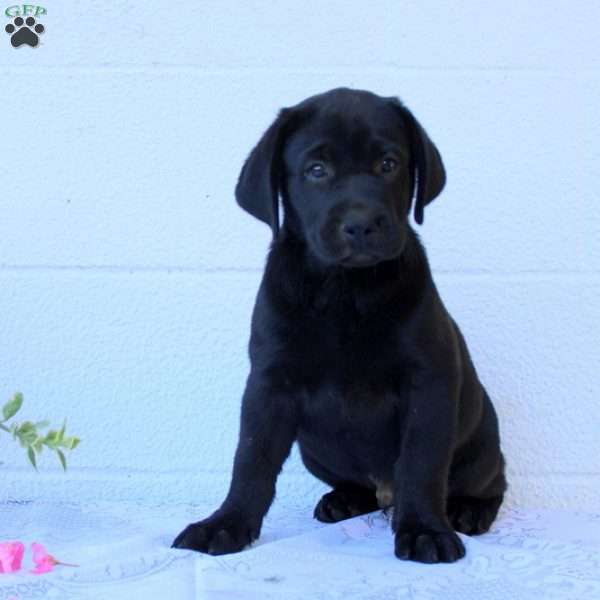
287	70
534	274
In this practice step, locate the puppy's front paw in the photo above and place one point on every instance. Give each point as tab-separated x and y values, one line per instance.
427	546
221	533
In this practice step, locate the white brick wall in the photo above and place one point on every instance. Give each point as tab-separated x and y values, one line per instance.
127	273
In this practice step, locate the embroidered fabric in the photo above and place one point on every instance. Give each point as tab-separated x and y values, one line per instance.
123	552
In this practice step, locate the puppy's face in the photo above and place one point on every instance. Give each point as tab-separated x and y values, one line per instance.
348	180
347	164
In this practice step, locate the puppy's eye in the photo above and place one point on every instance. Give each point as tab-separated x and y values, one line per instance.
316	171
388	165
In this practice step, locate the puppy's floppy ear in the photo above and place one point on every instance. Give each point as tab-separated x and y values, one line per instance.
427	170
259	183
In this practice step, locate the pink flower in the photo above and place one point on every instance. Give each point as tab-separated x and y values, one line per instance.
11	555
44	562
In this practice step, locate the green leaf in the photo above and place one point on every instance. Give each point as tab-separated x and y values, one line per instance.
63	460
38	445
11	408
26	427
51	440
31	455
71	442
27	434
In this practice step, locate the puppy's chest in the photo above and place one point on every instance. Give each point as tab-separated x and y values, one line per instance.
353	386
354	370
351	351
354	429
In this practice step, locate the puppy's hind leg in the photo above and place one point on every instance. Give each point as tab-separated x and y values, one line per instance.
473	514
477	481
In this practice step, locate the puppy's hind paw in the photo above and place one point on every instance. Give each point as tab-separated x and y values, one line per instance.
473	516
345	503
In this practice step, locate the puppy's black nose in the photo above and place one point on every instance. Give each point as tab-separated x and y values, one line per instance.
359	228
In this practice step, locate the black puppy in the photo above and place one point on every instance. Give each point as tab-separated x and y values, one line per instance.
353	354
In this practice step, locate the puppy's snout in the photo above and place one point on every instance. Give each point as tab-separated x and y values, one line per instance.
359	228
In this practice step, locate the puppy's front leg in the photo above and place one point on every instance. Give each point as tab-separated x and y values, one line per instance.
422	530
267	431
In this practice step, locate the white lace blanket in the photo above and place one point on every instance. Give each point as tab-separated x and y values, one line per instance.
123	552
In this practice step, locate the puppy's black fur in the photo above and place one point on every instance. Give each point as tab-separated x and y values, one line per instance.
353	354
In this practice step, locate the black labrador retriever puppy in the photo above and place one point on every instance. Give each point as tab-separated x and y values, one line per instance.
353	354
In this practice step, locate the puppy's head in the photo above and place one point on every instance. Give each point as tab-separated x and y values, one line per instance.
348	165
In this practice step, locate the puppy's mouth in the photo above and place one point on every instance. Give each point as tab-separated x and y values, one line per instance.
357	258
333	253
360	260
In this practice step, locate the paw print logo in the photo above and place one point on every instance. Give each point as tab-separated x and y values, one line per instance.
24	32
